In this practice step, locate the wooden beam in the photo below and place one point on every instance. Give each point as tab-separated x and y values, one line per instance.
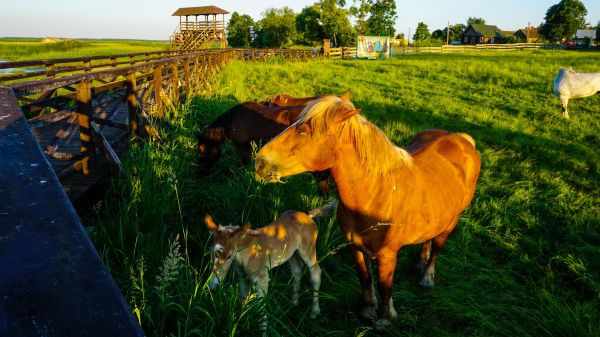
158	91
106	148
84	112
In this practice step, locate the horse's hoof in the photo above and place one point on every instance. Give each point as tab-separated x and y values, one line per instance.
369	313
382	325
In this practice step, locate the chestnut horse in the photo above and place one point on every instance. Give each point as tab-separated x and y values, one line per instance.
389	197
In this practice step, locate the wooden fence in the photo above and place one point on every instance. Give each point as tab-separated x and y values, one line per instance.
472	48
262	54
147	81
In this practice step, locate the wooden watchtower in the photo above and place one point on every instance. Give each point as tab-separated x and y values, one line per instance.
208	31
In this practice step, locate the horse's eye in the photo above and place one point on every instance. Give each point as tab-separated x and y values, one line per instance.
302	129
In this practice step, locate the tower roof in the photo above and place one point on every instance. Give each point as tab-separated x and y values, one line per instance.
202	10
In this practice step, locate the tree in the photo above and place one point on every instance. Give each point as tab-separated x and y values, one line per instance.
361	12
239	30
308	23
422	32
336	25
474	20
439	34
563	19
456	31
400	36
383	17
598	32
277	28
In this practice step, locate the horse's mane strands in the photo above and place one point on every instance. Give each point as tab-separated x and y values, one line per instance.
375	150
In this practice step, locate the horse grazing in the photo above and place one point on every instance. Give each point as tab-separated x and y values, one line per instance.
389	197
569	84
287	100
291	238
244	124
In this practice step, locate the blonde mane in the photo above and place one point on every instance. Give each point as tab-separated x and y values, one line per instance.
377	153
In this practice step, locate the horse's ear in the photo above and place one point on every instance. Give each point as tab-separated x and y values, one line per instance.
347	114
210	224
346	96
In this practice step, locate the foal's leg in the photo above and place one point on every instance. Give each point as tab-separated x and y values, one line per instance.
310	258
386	260
244	288
296	267
261	280
363	265
437	245
564	101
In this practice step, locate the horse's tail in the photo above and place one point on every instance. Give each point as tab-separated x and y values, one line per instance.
326	210
468	137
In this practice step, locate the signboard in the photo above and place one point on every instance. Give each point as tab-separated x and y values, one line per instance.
373	47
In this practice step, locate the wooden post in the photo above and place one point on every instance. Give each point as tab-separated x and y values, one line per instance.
196	68
187	77
175	81
158	91
132	103
50	70
84	113
326	46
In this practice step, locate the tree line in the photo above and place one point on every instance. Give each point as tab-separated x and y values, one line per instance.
330	19
324	19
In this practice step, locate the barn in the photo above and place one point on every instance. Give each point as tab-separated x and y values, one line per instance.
480	33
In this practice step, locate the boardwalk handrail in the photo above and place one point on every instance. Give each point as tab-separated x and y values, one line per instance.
53	67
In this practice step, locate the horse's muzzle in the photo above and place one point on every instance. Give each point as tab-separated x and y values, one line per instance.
266	171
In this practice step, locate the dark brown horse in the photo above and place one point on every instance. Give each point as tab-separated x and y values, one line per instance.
244	124
389	197
287	100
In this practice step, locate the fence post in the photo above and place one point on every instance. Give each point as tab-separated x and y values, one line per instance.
196	69
186	76
132	103
158	91
175	81
84	112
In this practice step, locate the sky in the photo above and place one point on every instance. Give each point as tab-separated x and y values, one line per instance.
152	20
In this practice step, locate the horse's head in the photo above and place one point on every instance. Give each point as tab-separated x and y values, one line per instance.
308	144
223	248
209	150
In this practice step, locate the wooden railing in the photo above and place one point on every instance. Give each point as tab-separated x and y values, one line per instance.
151	84
262	54
342	53
68	66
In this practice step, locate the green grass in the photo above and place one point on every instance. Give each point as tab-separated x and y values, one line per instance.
523	260
14	49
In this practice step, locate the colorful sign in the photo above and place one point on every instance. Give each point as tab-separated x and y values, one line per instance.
373	47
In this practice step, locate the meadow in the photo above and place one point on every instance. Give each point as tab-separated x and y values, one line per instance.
523	260
20	49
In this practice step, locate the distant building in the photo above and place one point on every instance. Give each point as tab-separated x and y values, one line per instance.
479	34
582	35
528	35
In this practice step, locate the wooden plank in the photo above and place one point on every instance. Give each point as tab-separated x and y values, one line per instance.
106	148
158	91
84	112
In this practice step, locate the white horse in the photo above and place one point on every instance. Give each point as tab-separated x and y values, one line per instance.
569	84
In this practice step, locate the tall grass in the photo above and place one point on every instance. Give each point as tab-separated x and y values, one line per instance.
522	261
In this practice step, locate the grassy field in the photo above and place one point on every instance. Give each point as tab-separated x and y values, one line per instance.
19	49
523	260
